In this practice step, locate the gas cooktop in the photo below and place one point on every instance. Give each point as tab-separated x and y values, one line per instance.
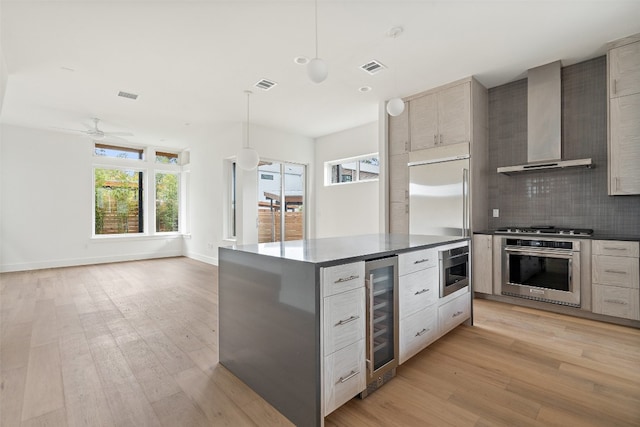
546	229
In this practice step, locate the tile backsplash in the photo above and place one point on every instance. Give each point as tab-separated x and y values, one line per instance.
565	197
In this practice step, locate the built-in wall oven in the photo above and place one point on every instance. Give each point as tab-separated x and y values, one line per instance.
381	281
454	269
542	269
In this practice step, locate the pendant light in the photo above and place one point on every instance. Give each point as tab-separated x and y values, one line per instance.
248	158
395	106
316	68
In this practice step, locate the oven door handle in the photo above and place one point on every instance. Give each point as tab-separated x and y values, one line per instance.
545	253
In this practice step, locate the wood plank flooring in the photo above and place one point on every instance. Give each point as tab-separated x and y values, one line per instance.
135	344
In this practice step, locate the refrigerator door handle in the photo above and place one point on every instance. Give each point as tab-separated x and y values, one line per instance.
465	202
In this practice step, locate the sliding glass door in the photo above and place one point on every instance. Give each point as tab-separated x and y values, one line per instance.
281	198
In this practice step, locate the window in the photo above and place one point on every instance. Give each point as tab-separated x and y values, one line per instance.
363	168
128	185
118	201
167	202
118	152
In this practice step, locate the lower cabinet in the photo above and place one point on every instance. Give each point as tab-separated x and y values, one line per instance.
615	278
417	331
454	312
343	334
344	376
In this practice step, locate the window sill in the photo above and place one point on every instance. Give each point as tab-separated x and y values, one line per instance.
136	237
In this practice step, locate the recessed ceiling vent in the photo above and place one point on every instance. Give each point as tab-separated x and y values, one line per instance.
127	95
373	67
265	84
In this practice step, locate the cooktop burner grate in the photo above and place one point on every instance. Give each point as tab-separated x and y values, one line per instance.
546	229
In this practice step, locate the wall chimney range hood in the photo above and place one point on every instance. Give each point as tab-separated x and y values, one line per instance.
544	123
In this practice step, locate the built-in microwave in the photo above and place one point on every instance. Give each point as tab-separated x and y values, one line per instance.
454	269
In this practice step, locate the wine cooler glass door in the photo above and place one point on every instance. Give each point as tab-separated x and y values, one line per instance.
382	310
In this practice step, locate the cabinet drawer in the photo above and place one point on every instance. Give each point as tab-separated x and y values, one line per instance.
417	291
454	312
616	301
615	270
344	376
342	278
417	260
616	248
344	316
417	331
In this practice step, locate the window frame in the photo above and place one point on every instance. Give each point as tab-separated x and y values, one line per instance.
329	165
149	168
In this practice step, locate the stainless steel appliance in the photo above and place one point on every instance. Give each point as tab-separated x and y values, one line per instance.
381	281
439	191
454	269
542	269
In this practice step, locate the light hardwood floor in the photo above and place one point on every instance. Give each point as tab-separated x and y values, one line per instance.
135	344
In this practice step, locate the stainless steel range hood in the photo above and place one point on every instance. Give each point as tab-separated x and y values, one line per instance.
544	122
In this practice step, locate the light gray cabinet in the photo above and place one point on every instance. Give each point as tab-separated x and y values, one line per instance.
482	263
624	111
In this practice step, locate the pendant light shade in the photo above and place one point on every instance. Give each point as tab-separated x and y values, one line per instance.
247	158
317	70
395	106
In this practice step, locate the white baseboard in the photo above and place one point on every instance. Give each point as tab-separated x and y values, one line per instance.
5	268
204	258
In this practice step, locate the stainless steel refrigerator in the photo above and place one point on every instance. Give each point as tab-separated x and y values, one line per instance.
439	191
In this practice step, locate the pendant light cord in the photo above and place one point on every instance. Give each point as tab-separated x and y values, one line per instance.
316	18
247	133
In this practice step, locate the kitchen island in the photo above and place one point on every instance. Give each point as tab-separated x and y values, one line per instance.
271	309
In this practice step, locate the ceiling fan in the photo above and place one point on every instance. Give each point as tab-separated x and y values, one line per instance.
97	133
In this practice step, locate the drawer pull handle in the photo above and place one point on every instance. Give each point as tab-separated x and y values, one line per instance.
345	321
420	261
457	313
616	301
346	279
615	271
615	249
348	377
421	292
422	332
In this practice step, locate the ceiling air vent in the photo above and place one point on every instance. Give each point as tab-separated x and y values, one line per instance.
373	67
127	95
265	84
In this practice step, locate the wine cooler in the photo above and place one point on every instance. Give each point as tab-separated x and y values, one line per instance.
381	279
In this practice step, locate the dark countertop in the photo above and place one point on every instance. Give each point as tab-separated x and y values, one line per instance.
328	250
596	236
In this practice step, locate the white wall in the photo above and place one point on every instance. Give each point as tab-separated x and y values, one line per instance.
349	209
46	183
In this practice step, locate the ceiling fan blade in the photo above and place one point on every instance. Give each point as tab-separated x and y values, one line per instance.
68	129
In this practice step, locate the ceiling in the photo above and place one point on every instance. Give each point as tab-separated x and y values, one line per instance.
191	61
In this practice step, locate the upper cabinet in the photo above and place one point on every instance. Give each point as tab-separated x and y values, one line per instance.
624	111
441	117
399	133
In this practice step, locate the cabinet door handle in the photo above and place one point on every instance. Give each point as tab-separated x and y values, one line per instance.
440	139
421	291
614	249
346	279
420	261
457	313
615	271
349	320
615	86
348	377
422	332
615	301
